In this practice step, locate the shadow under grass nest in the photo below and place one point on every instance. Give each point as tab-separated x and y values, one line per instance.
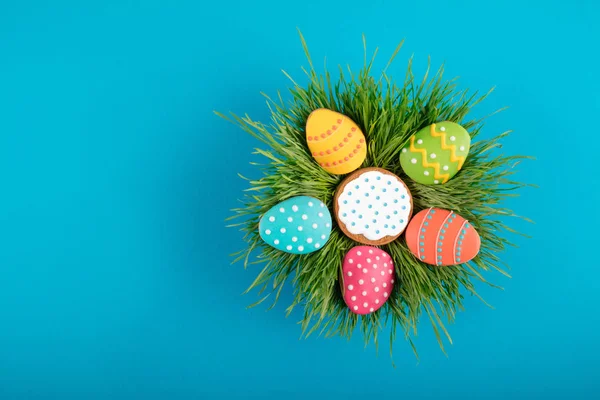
388	115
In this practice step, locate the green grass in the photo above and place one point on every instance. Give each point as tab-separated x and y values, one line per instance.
388	114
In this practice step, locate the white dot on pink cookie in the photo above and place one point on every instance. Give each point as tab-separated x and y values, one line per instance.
369	277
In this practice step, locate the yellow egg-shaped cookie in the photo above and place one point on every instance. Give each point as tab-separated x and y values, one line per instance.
335	141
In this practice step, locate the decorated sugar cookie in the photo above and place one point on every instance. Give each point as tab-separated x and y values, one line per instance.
436	153
367	279
442	237
335	141
372	206
299	225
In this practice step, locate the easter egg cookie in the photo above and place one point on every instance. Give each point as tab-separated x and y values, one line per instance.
367	279
436	153
335	141
299	225
442	237
372	206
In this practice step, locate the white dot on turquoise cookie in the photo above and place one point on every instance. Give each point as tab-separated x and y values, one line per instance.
272	219
300	228
317	245
327	225
323	237
414	161
289	247
322	205
294	208
426	173
321	215
452	138
294	239
304	217
300	248
282	209
309	240
268	231
290	219
445	168
462	148
310	204
276	241
315	226
282	230
420	141
443	129
432	155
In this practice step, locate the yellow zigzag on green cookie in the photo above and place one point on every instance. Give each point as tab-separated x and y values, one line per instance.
426	164
451	147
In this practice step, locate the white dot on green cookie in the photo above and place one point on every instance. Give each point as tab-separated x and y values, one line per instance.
436	181
404	150
276	241
290	219
414	161
462	148
294	208
426	173
282	209
300	248
272	219
433	155
268	231
282	230
442	128
420	141
452	138
445	168
304	217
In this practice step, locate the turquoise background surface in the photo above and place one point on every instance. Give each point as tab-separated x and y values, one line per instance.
116	178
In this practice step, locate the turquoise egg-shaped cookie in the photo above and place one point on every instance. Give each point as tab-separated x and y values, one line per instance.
299	225
436	153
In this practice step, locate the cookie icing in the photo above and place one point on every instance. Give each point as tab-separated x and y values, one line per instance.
442	237
367	279
335	141
374	205
299	225
436	153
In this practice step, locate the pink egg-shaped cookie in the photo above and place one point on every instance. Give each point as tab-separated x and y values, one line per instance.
442	237
367	279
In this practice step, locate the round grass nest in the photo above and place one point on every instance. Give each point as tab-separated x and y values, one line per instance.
388	114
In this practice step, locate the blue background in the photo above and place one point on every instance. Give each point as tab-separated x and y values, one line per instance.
116	178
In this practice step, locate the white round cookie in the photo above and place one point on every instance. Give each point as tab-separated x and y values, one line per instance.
374	205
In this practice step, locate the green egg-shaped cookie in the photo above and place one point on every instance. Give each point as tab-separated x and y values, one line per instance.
436	153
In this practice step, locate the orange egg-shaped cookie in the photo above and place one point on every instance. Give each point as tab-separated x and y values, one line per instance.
335	141
442	237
